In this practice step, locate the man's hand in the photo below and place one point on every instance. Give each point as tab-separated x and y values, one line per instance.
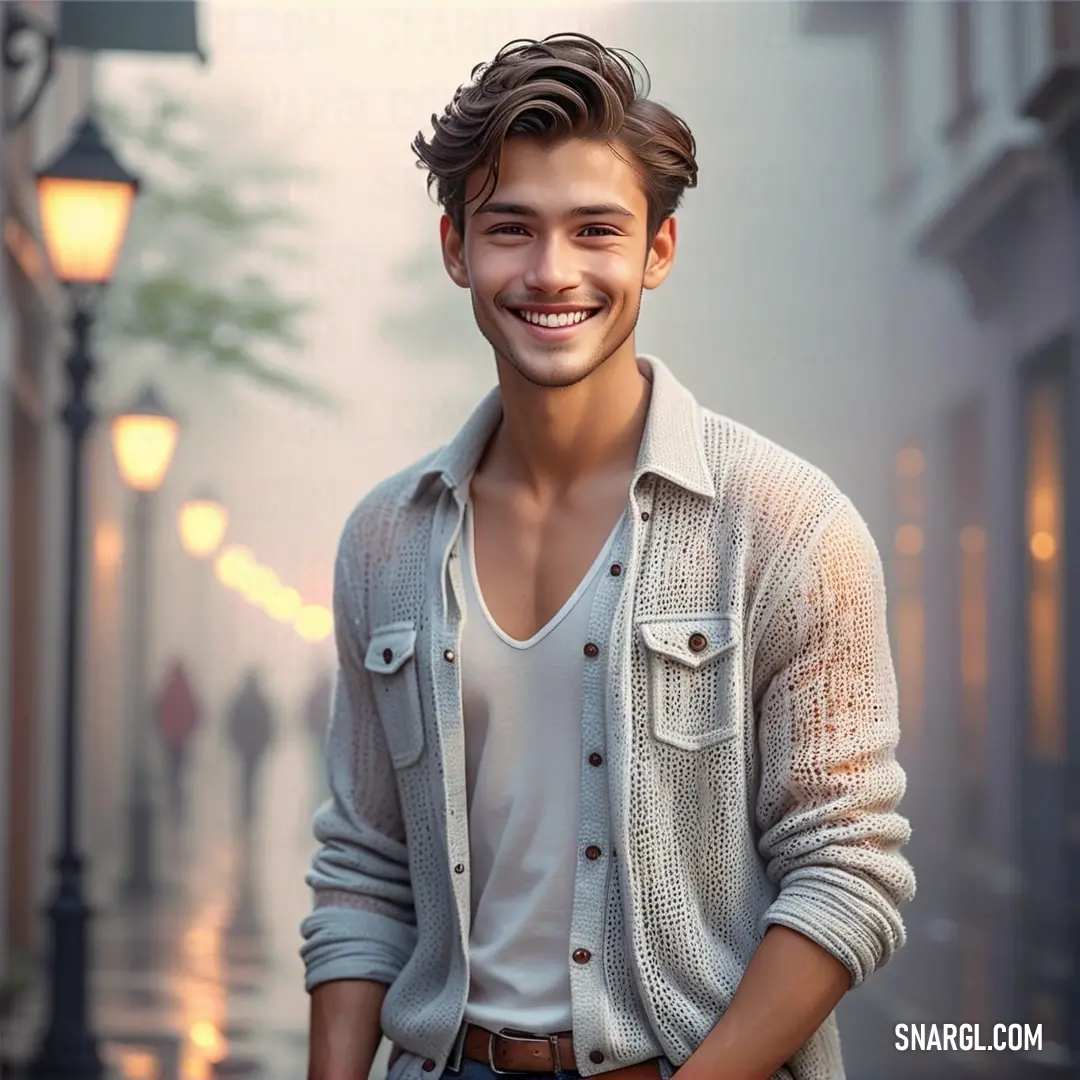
345	1029
790	987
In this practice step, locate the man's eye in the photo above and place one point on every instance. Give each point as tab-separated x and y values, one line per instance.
505	230
599	230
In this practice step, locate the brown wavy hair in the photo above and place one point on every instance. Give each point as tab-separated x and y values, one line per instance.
566	85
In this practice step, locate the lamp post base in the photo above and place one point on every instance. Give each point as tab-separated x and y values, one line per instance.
61	1058
68	1050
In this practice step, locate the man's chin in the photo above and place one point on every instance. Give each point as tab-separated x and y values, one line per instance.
553	368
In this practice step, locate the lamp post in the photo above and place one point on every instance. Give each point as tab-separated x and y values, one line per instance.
85	197
144	440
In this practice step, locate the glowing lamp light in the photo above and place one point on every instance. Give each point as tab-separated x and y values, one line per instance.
259	585
205	1035
232	566
85	198
284	605
909	540
144	440
202	522
108	545
314	623
1043	547
910	462
135	1064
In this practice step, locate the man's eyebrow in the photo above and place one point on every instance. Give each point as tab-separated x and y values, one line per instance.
518	210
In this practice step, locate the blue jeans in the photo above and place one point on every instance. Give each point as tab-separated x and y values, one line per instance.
477	1070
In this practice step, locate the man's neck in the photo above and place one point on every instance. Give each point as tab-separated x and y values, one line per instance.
552	439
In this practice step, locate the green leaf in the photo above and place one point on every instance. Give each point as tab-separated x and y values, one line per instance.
209	207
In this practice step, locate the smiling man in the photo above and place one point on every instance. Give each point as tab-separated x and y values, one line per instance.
612	747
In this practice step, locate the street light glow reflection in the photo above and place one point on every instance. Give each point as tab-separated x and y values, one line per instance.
237	569
314	623
233	564
259	585
284	605
108	545
206	1036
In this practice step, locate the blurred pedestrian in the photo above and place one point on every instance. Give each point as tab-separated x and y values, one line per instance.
317	720
251	732
178	717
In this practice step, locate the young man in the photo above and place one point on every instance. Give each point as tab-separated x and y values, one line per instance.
612	745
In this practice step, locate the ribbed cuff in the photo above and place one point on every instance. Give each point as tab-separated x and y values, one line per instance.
841	912
343	943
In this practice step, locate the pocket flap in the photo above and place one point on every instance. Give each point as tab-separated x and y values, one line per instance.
390	647
693	640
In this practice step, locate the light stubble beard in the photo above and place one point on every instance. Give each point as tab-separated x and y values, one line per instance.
604	352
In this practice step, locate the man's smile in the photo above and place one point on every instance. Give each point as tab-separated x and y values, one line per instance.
548	320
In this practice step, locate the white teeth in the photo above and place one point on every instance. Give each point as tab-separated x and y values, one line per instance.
562	319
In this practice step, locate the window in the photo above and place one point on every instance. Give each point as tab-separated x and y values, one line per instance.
1046	899
967	499
1044	601
970	625
909	615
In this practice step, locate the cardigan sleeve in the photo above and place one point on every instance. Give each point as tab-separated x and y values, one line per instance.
363	924
827	805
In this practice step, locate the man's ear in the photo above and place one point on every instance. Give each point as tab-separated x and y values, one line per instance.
453	253
661	255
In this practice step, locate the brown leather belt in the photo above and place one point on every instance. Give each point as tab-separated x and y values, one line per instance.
523	1053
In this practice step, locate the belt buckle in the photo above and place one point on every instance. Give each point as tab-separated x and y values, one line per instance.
522	1036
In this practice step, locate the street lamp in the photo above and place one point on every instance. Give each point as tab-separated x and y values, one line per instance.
202	522
85	199
144	438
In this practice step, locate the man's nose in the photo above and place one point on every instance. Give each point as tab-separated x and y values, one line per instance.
552	267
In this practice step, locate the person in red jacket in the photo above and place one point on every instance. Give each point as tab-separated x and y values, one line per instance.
178	716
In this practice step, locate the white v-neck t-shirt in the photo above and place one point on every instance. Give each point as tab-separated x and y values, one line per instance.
522	711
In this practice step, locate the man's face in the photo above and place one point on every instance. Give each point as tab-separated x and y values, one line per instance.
557	257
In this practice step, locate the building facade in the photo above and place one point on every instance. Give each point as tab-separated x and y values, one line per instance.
33	484
31	467
980	263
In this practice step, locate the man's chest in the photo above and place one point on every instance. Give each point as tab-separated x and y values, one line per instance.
529	562
667	632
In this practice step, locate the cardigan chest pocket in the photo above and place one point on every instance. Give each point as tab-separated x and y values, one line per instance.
391	661
695	677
